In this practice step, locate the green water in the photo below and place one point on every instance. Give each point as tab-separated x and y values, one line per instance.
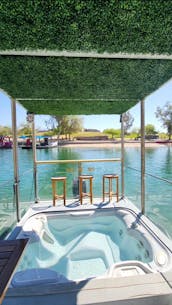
158	162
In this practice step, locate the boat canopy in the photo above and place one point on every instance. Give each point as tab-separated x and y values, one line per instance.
84	57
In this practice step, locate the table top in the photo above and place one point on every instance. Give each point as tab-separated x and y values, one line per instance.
10	253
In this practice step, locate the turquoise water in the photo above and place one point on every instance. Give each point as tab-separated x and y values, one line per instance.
68	246
158	162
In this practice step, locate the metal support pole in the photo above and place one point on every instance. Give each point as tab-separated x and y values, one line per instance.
142	104
34	160
15	158
122	155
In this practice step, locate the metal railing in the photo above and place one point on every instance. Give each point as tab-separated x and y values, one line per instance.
79	162
157	198
78	167
148	174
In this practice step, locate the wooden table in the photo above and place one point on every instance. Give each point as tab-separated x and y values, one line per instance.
10	253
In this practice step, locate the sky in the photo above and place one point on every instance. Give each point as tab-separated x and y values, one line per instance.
100	122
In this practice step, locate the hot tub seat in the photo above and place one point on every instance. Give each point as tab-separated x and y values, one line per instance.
37	276
128	268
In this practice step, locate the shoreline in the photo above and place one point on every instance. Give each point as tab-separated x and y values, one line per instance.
81	144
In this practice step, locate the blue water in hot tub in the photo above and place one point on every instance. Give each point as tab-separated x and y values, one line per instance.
83	246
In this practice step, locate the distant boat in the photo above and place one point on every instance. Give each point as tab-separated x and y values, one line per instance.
47	143
27	145
164	141
5	142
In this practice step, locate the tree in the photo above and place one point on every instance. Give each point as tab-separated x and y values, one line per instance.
74	124
150	129
135	133
51	123
68	124
112	132
165	116
5	131
128	121
25	129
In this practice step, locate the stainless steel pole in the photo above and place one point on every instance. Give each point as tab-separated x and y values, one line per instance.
142	104
122	156
15	158
34	160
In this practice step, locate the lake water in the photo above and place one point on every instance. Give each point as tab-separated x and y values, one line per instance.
158	163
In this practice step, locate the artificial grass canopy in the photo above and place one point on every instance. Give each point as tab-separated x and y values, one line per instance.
133	26
54	85
64	85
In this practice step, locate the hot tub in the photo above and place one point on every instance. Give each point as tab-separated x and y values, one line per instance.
88	244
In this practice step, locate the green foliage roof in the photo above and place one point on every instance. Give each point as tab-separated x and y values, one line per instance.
136	26
63	85
83	86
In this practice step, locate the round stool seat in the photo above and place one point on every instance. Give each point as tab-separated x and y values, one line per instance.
85	177
110	176
58	178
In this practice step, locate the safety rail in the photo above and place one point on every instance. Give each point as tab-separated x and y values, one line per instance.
79	162
8	196
148	174
76	169
6	183
157	198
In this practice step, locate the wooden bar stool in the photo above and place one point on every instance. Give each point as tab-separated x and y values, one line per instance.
81	193
55	195
110	193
